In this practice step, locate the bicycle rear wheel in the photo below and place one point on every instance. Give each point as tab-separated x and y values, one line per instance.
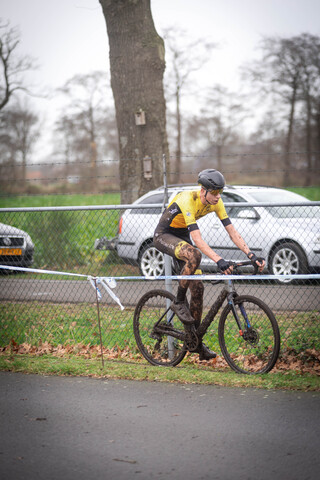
152	322
256	348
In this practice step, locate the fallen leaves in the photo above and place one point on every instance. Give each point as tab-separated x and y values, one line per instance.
289	360
303	362
45	348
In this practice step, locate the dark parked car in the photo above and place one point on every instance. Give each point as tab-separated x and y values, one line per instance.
16	247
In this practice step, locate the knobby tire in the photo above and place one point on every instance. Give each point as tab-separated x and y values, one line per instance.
157	348
258	349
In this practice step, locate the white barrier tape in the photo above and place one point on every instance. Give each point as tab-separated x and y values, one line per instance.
227	277
104	281
36	270
315	276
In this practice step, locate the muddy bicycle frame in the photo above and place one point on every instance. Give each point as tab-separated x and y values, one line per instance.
228	292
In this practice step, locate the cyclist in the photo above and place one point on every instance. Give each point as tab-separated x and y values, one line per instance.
172	236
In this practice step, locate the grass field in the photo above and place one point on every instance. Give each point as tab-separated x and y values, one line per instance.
312	193
34	323
59	200
63	339
116	368
58	323
65	239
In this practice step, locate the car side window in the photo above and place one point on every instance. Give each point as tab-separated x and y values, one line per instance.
156	198
231	197
238	212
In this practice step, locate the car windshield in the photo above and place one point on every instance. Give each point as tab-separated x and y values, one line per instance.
284	196
273	195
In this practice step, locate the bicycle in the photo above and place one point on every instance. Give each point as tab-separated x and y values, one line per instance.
248	331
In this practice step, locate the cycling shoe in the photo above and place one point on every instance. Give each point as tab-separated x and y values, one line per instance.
182	312
205	353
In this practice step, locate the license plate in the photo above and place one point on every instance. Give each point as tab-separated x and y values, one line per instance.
10	251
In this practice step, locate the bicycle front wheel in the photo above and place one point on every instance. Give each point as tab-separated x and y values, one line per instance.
153	319
255	348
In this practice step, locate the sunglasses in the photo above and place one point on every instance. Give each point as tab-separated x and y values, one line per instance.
216	192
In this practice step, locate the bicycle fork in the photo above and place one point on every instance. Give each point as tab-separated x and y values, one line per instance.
230	297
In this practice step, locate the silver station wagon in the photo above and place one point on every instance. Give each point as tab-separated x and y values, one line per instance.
288	237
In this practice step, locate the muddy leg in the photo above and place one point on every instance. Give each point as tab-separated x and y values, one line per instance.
196	303
192	258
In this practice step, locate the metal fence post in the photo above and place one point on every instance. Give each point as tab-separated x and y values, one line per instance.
167	258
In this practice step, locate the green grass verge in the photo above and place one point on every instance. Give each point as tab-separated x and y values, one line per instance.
69	324
63	323
64	240
58	323
185	374
15	201
312	193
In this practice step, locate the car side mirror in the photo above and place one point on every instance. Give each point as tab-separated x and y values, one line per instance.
248	214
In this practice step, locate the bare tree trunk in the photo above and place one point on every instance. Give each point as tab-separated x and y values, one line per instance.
287	161
93	167
67	162
93	154
178	149
137	65
12	171
219	157
317	155
24	170
310	173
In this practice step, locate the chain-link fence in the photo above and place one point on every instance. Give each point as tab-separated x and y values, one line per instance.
45	312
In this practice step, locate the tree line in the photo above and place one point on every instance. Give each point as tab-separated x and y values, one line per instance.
284	84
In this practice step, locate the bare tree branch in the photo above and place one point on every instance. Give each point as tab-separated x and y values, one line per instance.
11	64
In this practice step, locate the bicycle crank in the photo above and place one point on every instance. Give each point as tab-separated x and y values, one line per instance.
191	338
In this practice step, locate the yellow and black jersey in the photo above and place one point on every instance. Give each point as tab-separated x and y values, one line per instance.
185	209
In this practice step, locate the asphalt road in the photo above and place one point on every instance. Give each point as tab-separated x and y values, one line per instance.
278	297
69	428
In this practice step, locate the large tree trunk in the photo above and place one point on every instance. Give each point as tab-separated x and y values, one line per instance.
137	65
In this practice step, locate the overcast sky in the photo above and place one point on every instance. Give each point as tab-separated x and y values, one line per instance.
68	37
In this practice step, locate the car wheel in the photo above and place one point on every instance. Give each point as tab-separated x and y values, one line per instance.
288	259
151	261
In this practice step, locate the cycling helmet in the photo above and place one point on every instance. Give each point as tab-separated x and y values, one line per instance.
211	179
